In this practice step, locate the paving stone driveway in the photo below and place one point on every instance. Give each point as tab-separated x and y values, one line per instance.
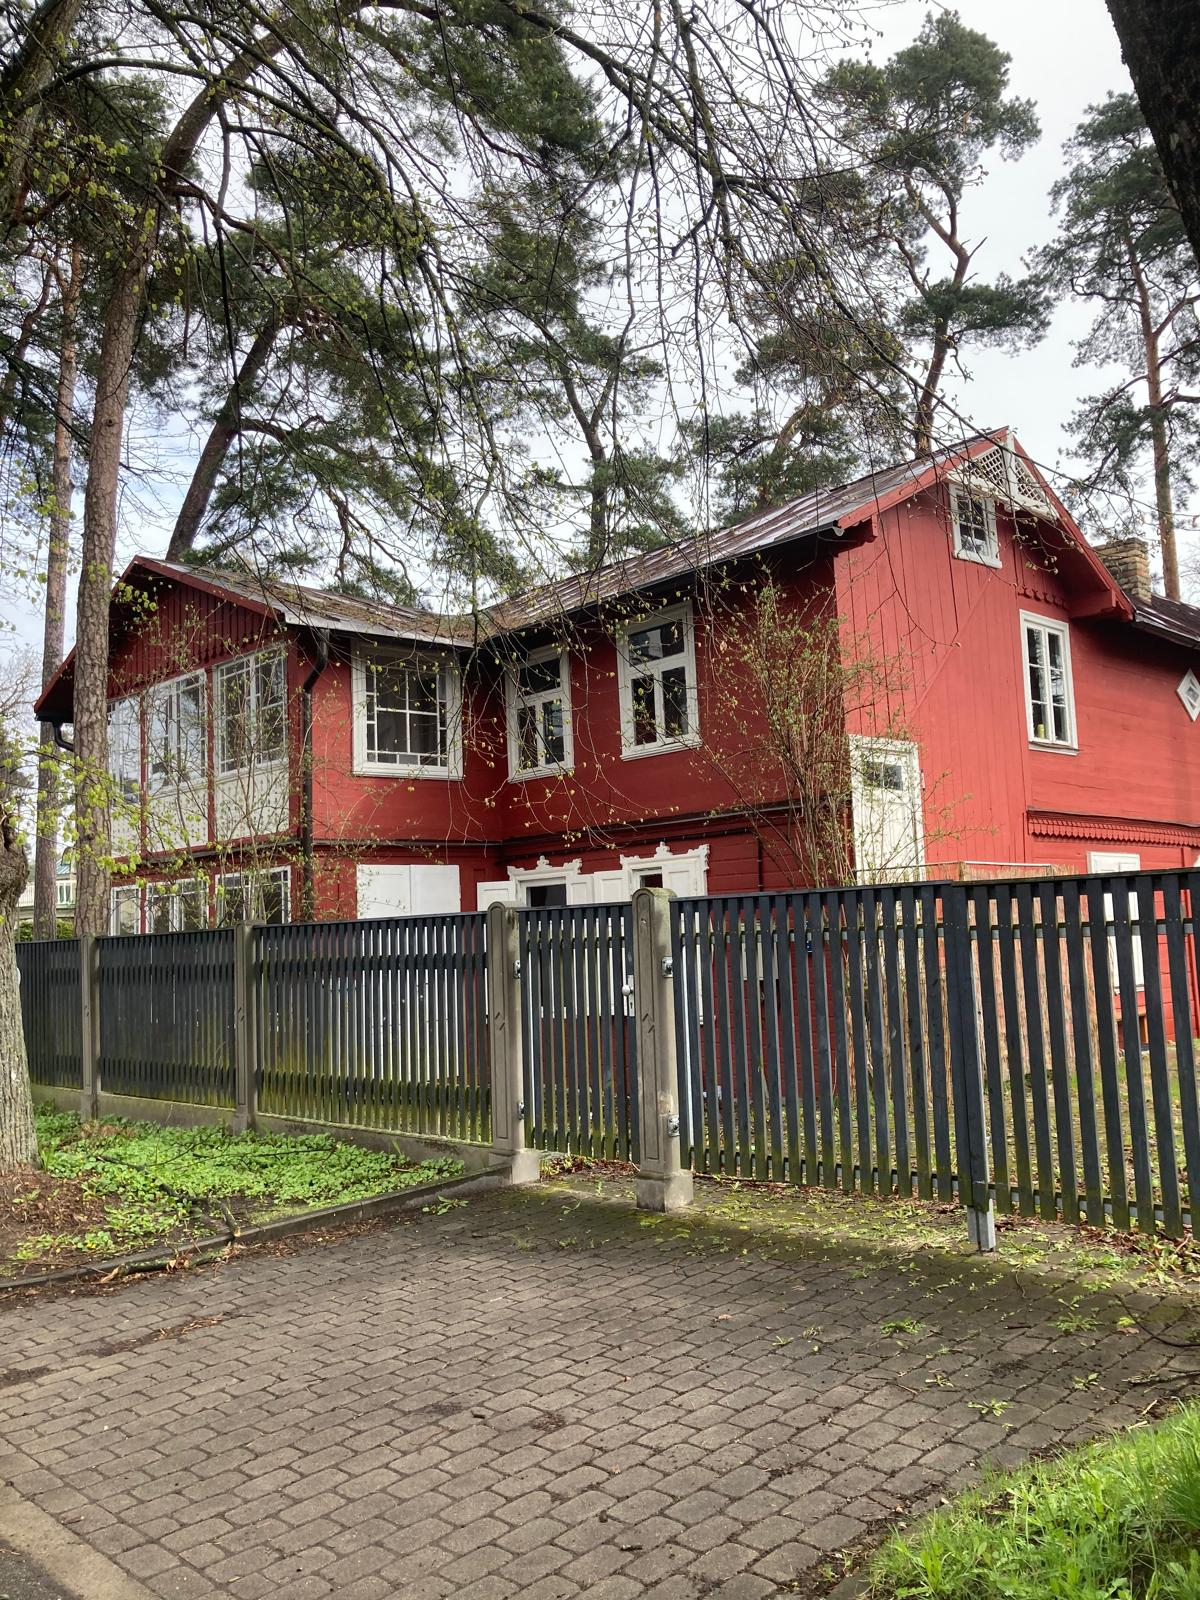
541	1394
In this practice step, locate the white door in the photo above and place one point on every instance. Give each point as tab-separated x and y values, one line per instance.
889	829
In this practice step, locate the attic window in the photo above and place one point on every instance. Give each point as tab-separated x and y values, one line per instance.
974	521
1189	692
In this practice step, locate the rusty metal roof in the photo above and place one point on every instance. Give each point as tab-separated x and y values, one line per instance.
1174	617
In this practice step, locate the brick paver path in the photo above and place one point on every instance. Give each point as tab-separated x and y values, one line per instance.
541	1395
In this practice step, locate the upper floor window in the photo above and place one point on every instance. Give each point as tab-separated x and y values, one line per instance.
974	522
539	714
254	897
176	732
656	662
125	750
406	714
250	701
1049	696
177	907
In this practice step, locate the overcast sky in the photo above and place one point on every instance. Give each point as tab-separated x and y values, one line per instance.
1064	57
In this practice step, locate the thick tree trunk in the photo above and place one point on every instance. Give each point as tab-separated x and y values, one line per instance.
45	860
22	85
1160	40
225	430
18	1141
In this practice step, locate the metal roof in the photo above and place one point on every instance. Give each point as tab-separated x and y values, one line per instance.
1174	617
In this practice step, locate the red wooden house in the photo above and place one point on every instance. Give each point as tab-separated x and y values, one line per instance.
288	752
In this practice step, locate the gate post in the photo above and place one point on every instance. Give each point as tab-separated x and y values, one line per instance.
245	1086
505	1047
662	1184
89	1027
966	1071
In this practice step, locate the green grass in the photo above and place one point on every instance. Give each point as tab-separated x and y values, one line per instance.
149	1182
1118	1520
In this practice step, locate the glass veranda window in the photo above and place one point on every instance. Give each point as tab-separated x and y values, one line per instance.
659	688
254	897
178	907
251	719
539	713
177	732
125	751
407	714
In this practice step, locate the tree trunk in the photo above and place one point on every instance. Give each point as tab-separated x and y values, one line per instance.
1160	41
45	869
22	85
225	430
18	1141
1159	439
92	788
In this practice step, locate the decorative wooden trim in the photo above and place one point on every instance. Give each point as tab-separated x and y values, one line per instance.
1122	830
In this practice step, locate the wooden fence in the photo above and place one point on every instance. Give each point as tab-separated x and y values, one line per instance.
1031	1042
1034	1041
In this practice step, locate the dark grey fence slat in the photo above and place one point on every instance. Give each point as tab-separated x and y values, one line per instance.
917	1053
1184	1022
931	950
876	1057
794	1032
998	1119
1131	1049
1085	1078
856	1001
1064	1126
1160	1066
890	908
1106	1050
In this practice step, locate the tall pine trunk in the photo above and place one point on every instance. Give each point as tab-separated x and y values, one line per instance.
1160	443
45	859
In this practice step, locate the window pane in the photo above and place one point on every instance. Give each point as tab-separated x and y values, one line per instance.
883	775
538	677
674	693
425	736
274	898
125	909
645	728
973	533
387	736
654	643
1037	681
192	905
160	910
552	731
192	754
231	902
233	693
527	744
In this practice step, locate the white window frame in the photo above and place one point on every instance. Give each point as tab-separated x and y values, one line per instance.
172	890
626	672
282	874
170	690
450	681
516	700
1049	625
222	674
118	894
990	558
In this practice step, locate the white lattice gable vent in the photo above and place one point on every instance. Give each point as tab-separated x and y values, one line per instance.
1000	472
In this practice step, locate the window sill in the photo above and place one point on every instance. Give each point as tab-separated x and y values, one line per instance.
369	769
533	773
1053	747
979	561
663	747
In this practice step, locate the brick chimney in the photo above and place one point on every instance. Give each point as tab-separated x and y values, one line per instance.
1129	562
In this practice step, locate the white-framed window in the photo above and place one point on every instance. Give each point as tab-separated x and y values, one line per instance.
250	712
66	895
407	713
177	728
656	666
254	897
125	909
538	690
125	751
179	907
973	521
1049	694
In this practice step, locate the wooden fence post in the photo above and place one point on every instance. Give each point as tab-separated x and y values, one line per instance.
89	1027
966	1071
505	1047
662	1184
245	1108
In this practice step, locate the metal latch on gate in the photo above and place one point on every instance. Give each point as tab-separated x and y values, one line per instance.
668	966
516	969
673	1127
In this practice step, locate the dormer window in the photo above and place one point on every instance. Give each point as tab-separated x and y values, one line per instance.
973	520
